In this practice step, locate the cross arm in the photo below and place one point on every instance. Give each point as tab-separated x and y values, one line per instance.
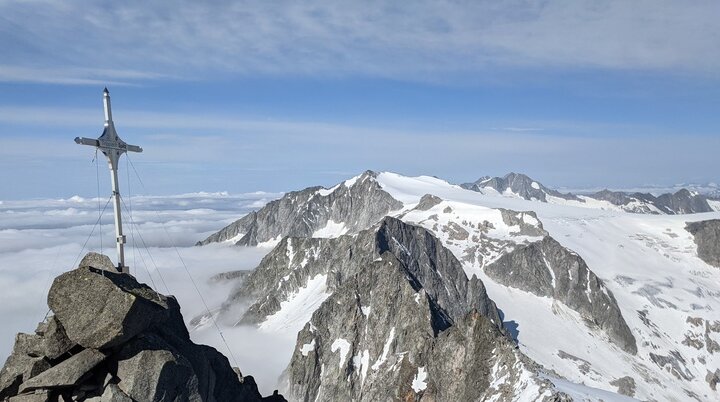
87	141
133	148
104	144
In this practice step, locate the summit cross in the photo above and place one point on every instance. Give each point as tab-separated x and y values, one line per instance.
113	147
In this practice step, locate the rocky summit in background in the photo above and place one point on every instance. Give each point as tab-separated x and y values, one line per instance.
112	339
349	207
681	202
519	185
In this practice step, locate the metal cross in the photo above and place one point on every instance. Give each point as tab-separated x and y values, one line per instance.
112	146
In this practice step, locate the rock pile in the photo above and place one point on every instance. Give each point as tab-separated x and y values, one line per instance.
114	339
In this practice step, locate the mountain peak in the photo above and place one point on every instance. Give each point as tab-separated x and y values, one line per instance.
518	184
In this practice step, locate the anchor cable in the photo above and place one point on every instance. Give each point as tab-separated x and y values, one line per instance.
91	232
187	271
97	179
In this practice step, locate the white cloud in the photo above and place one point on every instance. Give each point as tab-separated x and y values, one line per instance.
134	41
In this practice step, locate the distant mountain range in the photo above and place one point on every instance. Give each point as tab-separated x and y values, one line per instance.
683	201
412	288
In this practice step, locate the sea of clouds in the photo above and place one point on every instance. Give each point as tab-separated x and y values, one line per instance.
41	238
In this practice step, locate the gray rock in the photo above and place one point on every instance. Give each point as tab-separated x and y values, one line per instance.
301	213
713	378
150	371
40	396
376	338
428	201
707	238
674	363
99	261
547	269
428	264
519	184
100	309
112	393
626	385
65	374
139	360
52	341
19	367
515	218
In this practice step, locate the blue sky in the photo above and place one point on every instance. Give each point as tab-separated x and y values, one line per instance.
275	96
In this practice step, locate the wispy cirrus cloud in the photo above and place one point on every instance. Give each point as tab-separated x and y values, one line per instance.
136	41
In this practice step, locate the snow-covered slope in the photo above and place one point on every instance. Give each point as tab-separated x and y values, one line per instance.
669	297
645	265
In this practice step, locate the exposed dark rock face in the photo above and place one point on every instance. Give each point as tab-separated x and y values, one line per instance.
519	219
403	322
302	213
114	339
427	263
428	201
519	184
713	378
680	202
548	269
707	238
626	385
683	202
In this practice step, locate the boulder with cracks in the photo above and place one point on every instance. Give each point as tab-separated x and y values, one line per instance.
114	339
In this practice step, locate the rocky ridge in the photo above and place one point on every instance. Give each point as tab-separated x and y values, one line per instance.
114	339
682	201
294	262
398	281
547	269
349	207
519	184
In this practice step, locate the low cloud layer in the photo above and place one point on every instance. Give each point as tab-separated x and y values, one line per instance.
40	239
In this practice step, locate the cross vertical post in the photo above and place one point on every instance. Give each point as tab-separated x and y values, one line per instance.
113	147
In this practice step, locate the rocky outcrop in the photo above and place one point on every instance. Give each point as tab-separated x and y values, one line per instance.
546	268
427	265
114	339
707	238
403	322
349	207
520	185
